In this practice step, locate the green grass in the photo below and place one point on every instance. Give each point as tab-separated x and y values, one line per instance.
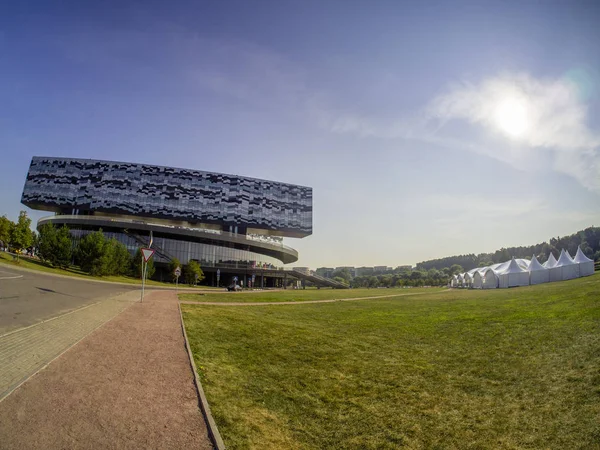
502	369
35	264
299	295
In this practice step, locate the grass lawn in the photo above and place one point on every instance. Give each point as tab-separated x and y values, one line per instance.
299	295
510	368
36	264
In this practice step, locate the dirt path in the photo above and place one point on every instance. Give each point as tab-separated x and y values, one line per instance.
127	385
302	302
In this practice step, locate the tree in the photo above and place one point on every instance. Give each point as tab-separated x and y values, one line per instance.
455	269
21	236
47	242
90	253
193	273
342	273
122	259
339	279
6	226
63	248
136	265
373	281
173	264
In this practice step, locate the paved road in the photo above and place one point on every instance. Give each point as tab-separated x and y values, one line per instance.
27	298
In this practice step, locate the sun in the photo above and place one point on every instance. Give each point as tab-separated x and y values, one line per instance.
511	116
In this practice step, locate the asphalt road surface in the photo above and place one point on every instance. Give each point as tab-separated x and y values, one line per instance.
27	298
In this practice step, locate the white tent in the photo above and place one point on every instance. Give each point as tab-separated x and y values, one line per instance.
524	263
469	277
586	265
477	279
565	268
461	280
454	281
513	275
489	278
551	262
537	273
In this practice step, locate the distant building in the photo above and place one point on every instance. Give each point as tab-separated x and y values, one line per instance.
402	268
382	269
326	272
364	271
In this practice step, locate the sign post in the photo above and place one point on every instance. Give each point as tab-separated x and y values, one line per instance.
177	275
146	255
218	276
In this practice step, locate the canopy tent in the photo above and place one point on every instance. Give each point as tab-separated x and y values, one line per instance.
586	265
469	277
489	278
454	281
565	268
551	262
477	280
524	263
461	280
513	275
537	273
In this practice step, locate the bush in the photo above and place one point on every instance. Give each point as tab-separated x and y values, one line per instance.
191	270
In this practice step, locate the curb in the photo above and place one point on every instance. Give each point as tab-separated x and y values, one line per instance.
213	431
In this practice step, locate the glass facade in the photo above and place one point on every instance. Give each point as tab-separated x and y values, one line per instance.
208	255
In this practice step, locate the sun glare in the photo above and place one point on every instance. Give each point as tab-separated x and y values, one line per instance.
511	117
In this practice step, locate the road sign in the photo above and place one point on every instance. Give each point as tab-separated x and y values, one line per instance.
253	277
218	272
235	278
178	271
147	253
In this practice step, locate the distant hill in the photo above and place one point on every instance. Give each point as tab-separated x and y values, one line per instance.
588	239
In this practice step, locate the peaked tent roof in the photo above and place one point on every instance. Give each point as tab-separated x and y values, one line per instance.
513	267
551	262
580	256
535	265
564	259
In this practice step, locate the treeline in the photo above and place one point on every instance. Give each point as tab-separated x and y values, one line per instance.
400	277
94	253
588	240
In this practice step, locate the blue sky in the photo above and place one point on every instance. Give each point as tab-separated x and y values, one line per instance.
425	130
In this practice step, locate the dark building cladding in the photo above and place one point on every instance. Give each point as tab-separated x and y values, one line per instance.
227	222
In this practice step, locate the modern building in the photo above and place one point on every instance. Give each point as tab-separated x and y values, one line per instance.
231	224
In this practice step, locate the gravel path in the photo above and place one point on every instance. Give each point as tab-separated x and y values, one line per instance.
127	385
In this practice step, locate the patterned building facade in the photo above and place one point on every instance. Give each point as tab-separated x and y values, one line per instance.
92	186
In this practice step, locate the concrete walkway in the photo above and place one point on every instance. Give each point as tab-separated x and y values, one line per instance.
25	351
127	385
